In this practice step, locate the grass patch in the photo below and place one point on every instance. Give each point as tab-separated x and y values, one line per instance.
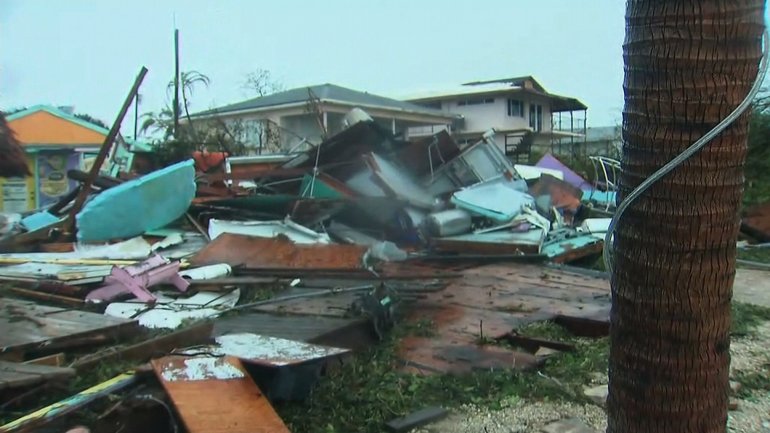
747	317
761	255
80	382
369	389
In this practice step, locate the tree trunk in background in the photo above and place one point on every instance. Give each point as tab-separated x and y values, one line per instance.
688	64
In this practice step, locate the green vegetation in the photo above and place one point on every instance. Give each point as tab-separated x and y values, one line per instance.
758	156
746	317
369	389
761	255
757	381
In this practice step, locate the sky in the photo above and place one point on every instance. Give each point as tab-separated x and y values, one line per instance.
86	53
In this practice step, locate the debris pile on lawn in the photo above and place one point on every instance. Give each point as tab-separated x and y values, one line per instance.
253	280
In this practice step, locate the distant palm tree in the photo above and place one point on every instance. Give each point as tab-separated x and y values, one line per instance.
13	160
163	120
188	81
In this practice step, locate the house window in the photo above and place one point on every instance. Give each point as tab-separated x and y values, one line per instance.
515	108
477	101
536	117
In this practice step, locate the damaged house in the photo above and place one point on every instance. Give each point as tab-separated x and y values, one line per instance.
304	116
520	110
54	141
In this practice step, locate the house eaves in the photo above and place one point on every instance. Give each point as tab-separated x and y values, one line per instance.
324	93
558	103
438	115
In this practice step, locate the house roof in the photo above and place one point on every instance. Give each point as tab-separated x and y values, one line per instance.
60	114
524	84
44	126
325	93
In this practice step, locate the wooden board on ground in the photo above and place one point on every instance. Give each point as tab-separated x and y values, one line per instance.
196	334
489	302
16	375
216	395
29	326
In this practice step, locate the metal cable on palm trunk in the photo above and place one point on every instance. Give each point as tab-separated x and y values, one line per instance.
690	151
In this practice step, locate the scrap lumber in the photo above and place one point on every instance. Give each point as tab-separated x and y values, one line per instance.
490	302
278	254
17	375
104	151
199	333
417	419
532	344
46	297
29	327
270	351
70	404
216	395
55	360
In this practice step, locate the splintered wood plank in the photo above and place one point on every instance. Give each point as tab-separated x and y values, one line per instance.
27	325
14	375
216	395
196	334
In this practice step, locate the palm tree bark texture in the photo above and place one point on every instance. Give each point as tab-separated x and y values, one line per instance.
688	64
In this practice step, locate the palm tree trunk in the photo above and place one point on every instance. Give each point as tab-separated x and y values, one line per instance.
688	64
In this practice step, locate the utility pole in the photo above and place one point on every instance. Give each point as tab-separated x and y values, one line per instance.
136	116
176	82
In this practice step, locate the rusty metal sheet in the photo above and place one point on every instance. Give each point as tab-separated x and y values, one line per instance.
216	395
277	253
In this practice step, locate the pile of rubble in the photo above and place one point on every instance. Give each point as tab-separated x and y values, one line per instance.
360	223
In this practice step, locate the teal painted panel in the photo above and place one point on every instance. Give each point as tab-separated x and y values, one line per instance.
320	188
134	207
39	220
602	198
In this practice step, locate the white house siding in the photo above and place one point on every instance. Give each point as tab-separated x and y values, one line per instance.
481	117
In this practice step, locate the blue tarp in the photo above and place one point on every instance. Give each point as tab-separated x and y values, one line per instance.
134	207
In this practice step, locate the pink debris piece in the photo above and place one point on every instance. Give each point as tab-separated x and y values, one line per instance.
137	279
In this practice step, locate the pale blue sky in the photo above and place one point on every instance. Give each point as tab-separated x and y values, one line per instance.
86	53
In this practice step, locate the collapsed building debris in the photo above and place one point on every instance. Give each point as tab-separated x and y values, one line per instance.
265	273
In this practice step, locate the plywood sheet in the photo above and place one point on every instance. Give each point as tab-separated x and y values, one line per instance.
216	395
14	375
27	325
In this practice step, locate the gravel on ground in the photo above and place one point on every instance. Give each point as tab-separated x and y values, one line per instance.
749	354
